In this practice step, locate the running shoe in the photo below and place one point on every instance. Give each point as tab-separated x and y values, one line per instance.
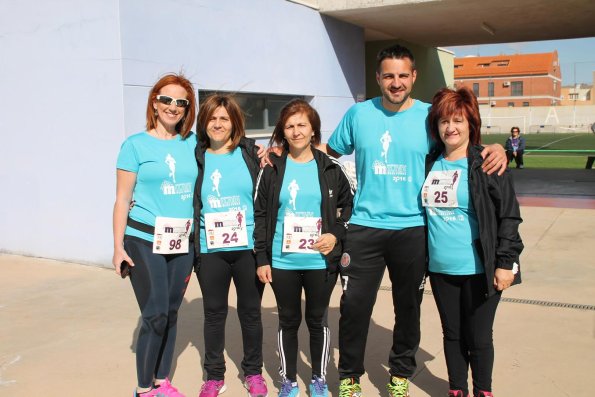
456	393
212	388
484	394
256	385
289	389
349	387
167	390
318	387
398	387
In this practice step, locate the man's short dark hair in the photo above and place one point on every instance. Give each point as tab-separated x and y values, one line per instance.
394	52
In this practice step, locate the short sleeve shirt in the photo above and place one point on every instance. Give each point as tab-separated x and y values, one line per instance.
166	172
300	196
452	231
390	150
227	186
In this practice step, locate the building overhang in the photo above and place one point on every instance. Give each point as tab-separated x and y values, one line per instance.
437	23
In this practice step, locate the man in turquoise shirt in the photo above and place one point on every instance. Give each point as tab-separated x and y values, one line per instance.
390	139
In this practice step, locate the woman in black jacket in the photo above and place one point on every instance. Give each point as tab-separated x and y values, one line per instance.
302	206
223	213
473	239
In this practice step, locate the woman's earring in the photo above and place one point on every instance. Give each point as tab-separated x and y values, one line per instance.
156	114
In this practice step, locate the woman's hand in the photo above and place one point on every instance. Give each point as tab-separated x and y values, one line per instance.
264	155
264	274
494	159
325	243
120	255
503	279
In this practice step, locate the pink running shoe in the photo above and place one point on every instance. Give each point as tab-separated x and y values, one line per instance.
456	393
166	389
485	394
256	385
212	388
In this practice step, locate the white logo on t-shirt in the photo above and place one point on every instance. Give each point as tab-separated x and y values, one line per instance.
386	140
215	178
171	163
293	191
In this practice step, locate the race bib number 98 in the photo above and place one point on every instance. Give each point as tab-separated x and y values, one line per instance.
171	235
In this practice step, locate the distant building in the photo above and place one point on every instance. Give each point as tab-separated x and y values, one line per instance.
512	80
579	94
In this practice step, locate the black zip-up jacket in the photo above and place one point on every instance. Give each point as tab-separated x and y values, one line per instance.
498	217
337	202
249	154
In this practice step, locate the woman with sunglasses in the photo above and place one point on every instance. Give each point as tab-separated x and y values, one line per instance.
473	239
302	207
223	212
156	171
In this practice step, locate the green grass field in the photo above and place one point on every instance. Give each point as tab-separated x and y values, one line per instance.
546	142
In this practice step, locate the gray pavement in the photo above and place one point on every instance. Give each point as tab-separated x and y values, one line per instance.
69	330
554	182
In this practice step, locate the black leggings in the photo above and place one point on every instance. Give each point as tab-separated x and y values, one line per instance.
214	275
318	287
159	283
467	320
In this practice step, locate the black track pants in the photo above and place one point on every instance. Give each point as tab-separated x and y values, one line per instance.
318	287
371	251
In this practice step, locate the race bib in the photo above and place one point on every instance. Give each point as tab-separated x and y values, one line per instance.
300	233
440	189
226	229
171	235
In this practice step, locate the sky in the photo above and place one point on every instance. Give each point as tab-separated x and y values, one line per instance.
576	56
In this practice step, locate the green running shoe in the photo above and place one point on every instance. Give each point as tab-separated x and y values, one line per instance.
398	387
349	387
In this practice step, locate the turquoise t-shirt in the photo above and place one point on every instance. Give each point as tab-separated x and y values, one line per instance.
390	151
166	172
451	231
300	196
227	186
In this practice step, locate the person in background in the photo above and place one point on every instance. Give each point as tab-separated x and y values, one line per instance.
515	147
302	207
228	166
473	239
156	168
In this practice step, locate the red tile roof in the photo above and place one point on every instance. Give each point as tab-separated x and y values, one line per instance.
506	65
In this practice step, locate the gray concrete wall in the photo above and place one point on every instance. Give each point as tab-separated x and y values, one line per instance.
75	78
62	123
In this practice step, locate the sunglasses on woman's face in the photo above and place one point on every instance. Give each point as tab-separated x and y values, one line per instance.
167	100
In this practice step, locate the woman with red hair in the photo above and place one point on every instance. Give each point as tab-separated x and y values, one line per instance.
473	239
157	171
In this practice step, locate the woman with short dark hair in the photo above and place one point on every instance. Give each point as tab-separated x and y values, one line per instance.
302	207
473	239
224	214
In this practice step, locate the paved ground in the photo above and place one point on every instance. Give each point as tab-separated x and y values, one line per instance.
70	330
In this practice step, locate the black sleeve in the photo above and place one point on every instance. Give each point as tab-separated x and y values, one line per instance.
260	215
344	203
508	216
